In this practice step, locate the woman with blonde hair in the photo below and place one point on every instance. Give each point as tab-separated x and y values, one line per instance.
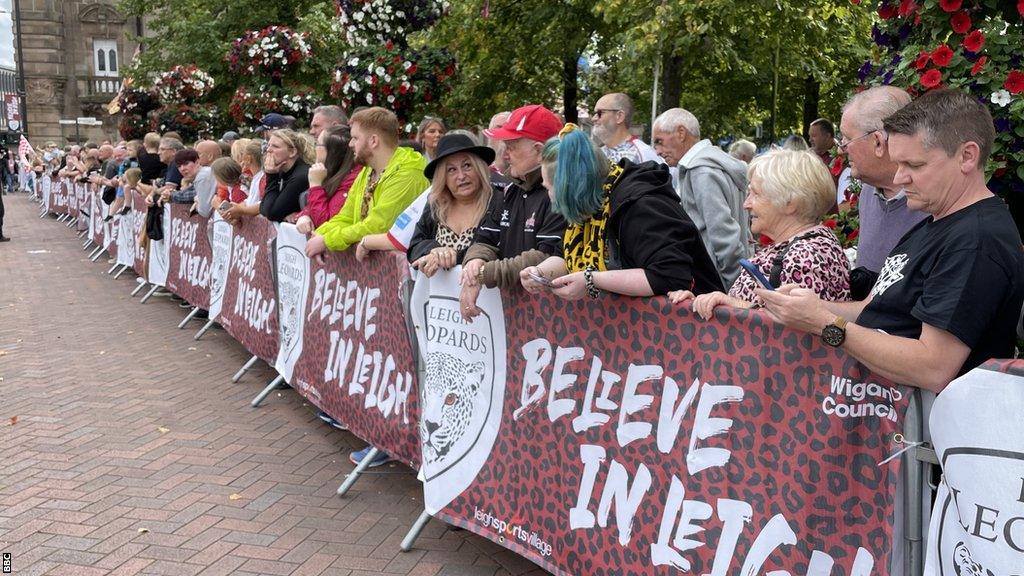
460	192
429	135
286	164
251	161
789	193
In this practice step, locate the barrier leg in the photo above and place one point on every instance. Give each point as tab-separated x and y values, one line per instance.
138	288
95	252
99	252
246	366
360	468
148	294
266	391
71	222
121	271
112	268
914	477
414	532
209	324
82	234
191	315
87	244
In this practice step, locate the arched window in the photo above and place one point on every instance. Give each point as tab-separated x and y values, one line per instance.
105	57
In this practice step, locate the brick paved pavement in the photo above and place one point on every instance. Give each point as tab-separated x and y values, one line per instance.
126	449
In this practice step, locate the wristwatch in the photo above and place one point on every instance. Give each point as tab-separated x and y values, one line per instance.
834	334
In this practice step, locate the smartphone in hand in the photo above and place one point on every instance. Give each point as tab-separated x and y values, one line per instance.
542	280
756	273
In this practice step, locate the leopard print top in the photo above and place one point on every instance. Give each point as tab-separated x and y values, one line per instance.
816	261
449	239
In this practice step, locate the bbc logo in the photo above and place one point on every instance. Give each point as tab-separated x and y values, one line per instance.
7	563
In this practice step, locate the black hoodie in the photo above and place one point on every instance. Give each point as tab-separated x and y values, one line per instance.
649	229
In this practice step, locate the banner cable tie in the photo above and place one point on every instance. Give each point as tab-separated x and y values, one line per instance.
907	446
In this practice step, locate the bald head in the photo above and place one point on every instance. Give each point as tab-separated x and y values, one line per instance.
867	109
208	151
106	151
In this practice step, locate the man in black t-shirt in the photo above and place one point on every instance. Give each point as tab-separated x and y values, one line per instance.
950	292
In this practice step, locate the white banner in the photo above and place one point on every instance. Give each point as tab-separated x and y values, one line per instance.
159	252
463	390
44	188
221	235
292	291
977	526
126	240
111	228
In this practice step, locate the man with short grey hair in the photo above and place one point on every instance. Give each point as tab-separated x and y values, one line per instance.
324	117
711	186
882	205
612	118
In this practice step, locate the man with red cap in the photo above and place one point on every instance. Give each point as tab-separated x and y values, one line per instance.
519	229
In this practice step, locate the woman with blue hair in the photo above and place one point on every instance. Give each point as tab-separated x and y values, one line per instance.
627	232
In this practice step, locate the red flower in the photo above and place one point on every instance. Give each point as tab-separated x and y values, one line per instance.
950	5
830	223
922	60
1020	7
931	79
857	2
837	166
853	235
978	65
974	41
887	12
942	55
907	7
960	22
1014	82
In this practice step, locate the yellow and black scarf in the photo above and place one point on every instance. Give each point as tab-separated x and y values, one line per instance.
584	244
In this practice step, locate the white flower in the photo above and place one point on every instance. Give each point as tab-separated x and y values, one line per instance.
353	62
379	71
1002	98
391	98
369	98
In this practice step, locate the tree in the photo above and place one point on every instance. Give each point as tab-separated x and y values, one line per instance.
514	52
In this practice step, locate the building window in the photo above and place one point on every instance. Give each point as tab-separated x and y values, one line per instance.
105	57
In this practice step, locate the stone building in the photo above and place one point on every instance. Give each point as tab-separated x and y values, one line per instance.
73	54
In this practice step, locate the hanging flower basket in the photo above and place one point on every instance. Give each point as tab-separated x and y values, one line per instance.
183	85
272	50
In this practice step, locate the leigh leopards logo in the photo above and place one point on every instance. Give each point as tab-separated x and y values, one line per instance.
892	272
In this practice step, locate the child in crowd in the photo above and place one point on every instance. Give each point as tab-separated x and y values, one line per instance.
228	175
132	177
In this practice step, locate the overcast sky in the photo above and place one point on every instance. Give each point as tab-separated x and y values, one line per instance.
6	35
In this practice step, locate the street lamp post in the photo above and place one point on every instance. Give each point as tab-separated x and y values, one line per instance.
21	67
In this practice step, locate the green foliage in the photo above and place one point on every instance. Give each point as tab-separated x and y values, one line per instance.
201	33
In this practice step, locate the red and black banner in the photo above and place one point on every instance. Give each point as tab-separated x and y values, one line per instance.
188	268
249	308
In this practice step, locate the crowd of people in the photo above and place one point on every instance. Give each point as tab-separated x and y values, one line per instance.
937	286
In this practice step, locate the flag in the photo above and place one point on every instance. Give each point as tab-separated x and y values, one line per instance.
24	149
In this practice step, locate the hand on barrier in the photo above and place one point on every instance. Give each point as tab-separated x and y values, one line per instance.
315	246
797	307
470	274
570	287
304	225
426	264
362	252
445	256
530	277
680	296
705	304
467	301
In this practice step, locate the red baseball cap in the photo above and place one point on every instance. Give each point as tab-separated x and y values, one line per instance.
532	121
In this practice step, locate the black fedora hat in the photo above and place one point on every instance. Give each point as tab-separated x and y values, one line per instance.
453	144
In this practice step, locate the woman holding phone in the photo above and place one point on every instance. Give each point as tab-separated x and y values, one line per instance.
789	193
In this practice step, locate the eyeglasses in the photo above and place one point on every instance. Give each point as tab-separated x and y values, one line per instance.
599	113
843	143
